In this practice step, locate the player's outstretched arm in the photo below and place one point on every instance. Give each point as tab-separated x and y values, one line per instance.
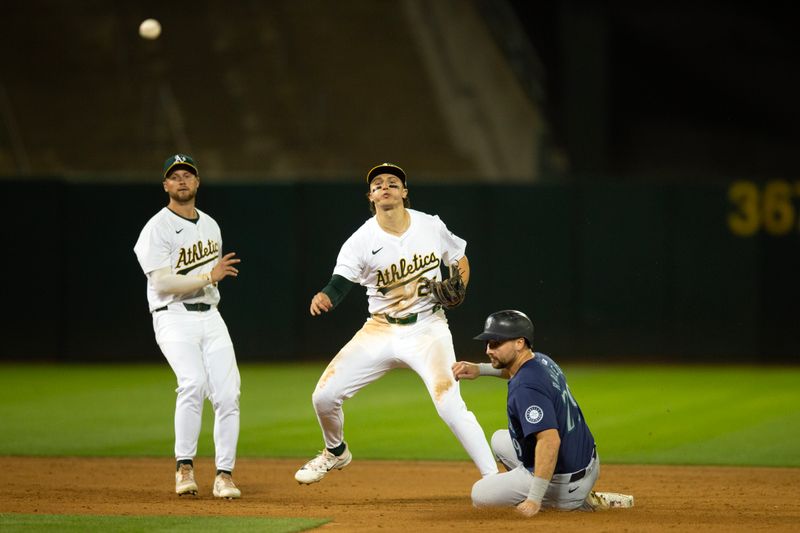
465	370
166	282
320	303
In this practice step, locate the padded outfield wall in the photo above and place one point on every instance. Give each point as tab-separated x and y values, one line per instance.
605	270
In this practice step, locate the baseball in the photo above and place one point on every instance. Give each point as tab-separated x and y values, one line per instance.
150	29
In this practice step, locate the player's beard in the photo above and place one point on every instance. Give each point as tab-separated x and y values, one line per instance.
183	197
496	363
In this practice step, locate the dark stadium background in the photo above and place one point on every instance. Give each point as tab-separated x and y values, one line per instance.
652	216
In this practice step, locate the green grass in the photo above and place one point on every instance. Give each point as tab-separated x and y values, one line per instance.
726	415
130	524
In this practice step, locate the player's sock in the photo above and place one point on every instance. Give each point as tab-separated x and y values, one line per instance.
223	472
184	462
339	450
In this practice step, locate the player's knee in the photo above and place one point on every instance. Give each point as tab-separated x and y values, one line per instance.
228	401
452	410
191	388
479	498
324	400
499	440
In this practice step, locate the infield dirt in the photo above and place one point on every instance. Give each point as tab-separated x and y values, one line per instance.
402	495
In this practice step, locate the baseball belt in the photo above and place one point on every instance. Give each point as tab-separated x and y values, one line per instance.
408	319
188	307
575	476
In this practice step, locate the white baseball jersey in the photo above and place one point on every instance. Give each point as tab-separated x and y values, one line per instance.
391	267
188	247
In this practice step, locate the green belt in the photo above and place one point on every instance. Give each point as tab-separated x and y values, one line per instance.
408	319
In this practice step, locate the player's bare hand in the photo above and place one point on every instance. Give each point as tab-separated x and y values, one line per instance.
528	508
320	303
465	370
225	268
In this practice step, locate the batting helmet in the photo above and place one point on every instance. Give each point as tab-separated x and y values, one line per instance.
508	324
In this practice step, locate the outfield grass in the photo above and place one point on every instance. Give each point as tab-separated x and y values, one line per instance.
638	414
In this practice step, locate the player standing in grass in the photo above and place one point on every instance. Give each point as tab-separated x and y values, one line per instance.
397	255
180	252
548	450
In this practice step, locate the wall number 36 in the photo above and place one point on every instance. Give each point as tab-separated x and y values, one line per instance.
769	207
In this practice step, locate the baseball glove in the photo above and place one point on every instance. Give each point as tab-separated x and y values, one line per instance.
450	292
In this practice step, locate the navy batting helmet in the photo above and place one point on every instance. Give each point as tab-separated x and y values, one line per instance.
508	324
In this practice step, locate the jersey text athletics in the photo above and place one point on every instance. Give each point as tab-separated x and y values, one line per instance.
197	253
400	271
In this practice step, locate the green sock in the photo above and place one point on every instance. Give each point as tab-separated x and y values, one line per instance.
339	450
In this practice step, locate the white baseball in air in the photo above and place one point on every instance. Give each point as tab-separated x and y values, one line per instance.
150	29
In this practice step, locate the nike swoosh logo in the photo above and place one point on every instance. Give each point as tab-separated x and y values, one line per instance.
376	251
178	230
572	490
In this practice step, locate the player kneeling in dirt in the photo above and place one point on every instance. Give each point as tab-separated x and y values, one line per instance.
548	451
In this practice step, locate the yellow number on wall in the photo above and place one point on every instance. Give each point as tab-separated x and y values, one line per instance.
778	208
745	221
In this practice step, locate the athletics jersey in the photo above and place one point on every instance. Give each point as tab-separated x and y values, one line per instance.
188	247
391	267
539	399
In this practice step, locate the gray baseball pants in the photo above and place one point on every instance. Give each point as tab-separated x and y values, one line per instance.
566	491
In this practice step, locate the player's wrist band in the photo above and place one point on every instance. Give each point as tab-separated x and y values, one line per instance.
486	369
538	488
337	288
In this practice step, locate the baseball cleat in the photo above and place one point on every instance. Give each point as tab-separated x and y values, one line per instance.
224	487
609	500
316	468
184	480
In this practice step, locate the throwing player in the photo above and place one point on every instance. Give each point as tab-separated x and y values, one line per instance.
180	252
397	255
548	450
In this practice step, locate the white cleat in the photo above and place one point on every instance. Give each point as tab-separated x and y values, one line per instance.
184	480
224	487
316	468
609	500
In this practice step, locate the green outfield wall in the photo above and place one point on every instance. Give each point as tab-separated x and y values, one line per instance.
605	270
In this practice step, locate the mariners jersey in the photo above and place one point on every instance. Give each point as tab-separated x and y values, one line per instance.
391	267
539	399
188	247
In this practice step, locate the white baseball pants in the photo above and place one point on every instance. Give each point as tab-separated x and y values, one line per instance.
426	347
198	347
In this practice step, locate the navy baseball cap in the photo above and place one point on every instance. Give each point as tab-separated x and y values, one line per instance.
180	161
386	168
